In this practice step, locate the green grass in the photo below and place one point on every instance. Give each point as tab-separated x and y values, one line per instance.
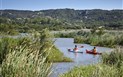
107	39
57	56
99	70
111	66
5	45
84	71
22	58
98	38
65	35
28	57
25	62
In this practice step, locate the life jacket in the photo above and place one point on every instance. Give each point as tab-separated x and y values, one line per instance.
94	50
75	48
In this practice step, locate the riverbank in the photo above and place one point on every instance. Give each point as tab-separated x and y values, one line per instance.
113	62
94	37
57	56
106	40
26	53
85	30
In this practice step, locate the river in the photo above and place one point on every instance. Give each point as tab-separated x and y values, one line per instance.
63	44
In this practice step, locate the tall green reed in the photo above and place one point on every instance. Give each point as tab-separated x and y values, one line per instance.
26	59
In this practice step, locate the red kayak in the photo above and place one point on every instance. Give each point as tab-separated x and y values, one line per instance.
90	52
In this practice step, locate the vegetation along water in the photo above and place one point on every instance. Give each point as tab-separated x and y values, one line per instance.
33	55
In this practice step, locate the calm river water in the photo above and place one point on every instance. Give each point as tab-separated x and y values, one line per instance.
63	44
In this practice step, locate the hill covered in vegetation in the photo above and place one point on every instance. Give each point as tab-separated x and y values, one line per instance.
57	19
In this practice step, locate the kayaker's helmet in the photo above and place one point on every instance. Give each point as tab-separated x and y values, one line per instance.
75	45
94	47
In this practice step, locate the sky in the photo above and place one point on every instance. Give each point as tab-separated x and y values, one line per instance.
60	4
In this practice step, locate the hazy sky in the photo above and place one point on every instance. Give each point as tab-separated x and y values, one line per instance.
56	4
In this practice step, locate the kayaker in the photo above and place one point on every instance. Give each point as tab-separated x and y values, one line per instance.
94	50
76	48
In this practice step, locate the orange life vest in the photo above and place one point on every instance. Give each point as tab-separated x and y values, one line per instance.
75	48
94	50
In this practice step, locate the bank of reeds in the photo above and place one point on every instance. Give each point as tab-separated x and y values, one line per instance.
25	62
99	38
111	66
28	56
109	40
23	58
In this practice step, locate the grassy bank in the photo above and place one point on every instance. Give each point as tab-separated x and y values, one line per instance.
39	42
57	56
22	58
29	56
106	39
65	35
111	66
100	70
24	61
96	36
109	40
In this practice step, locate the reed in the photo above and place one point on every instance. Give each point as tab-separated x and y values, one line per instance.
29	56
24	61
107	40
111	66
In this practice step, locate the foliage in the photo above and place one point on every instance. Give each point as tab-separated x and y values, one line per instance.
8	29
107	39
84	71
29	56
114	58
79	39
5	45
66	35
24	61
55	54
41	41
98	70
111	66
59	19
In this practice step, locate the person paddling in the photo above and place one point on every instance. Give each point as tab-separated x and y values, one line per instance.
76	48
94	50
